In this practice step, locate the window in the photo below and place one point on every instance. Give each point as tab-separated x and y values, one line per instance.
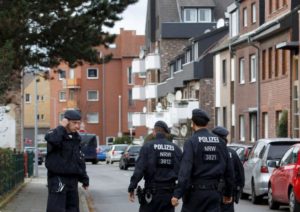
61	116
245	17
264	62
278	117
188	56
284	61
224	117
130	100
271	6
172	69
270	63
92	118
265	125
92	96
218	116
196	51
204	15
190	15
42	98
62	96
252	127
130	121
224	78
71	73
252	68
253	13
277	62
130	76
61	74
242	128
242	71
71	94
42	117
37	97
27	98
92	73
179	64
234	28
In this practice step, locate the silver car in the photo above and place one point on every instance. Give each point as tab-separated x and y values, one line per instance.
258	166
115	153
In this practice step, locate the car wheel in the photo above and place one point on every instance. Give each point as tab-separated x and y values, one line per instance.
293	204
254	199
111	162
244	196
121	165
107	162
95	161
125	167
272	204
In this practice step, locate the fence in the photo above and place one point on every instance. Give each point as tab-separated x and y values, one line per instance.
11	170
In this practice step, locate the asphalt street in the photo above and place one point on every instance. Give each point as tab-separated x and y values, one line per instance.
108	191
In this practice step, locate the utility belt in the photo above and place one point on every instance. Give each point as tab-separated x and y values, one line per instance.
196	187
145	195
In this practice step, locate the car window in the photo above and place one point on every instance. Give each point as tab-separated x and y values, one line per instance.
120	148
240	152
256	150
295	155
262	152
286	159
277	150
134	149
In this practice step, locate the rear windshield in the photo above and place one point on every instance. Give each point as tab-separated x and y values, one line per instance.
134	149
120	148
277	150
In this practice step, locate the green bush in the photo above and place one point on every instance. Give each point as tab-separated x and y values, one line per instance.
122	140
282	128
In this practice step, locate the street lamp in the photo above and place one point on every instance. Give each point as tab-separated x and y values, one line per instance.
120	114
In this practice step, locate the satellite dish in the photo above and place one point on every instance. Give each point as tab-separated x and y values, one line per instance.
159	107
144	109
220	23
178	95
170	97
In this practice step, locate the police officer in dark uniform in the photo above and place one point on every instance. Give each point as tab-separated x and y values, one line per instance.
65	164
158	163
205	162
239	175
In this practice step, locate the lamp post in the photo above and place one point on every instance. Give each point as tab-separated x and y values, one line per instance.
120	114
36	172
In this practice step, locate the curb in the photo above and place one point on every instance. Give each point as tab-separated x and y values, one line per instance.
10	195
85	201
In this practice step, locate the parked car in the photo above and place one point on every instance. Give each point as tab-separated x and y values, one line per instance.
89	147
257	168
129	157
284	185
242	150
115	153
102	151
30	149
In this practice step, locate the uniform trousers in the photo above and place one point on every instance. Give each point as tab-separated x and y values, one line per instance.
202	201
62	194
161	202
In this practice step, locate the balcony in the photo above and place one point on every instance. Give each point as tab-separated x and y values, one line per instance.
138	66
72	104
72	83
151	91
153	117
152	62
138	93
138	119
182	110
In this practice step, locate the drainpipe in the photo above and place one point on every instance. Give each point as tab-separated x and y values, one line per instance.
250	42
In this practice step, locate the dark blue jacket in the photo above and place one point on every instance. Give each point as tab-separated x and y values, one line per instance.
158	162
239	176
205	159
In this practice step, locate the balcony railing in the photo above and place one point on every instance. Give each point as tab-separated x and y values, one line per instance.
138	93
152	62
138	66
151	91
72	83
72	104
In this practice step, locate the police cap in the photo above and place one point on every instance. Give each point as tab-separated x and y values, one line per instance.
162	125
72	115
200	117
220	131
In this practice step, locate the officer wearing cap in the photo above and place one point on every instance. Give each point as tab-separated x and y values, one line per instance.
239	177
158	163
65	164
204	163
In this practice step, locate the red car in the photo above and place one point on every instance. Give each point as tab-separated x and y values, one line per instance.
284	185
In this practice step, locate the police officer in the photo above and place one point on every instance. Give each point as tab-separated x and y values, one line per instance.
65	164
158	163
239	176
205	162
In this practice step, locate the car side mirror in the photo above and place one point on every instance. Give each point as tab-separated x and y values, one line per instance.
273	164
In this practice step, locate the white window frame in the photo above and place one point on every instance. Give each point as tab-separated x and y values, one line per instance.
192	12
207	14
87	73
253	68
242	70
72	73
242	127
88	116
252	128
234	24
92	100
59	96
253	13
29	95
245	17
59	75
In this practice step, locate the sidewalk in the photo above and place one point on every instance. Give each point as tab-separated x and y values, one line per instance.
32	197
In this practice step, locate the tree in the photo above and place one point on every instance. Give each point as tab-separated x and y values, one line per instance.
45	33
282	128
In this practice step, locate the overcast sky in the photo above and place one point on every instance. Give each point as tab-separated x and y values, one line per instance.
134	18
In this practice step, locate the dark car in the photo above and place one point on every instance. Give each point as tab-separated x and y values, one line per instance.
89	147
242	150
129	156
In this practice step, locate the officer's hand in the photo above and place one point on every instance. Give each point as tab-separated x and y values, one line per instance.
174	201
64	122
227	200
131	196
